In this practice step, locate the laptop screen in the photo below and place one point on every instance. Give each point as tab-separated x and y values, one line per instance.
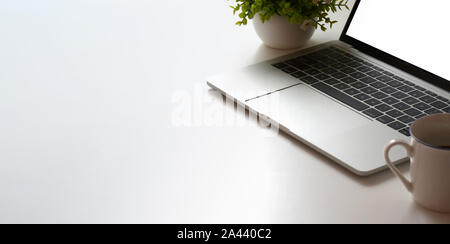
412	30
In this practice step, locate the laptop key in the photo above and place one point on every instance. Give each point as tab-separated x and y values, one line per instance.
373	102
405	132
399	95
443	99
406	119
378	85
397	125
384	78
349	80
373	113
378	69
395	113
329	71
335	55
428	99
362	97
358	59
354	64
368	64
322	76
431	93
298	74
342	86
395	83
357	75
351	91
398	78
401	106
369	90
301	66
410	101
289	70
374	73
412	112
388	73
329	61
389	90
406	89
420	116
364	69
319	66
379	95
339	75
331	82
390	100
368	80
345	60
385	119
422	106
432	111
420	88
358	85
313	72
417	94
339	66
409	83
384	107
340	96
319	57
439	105
309	80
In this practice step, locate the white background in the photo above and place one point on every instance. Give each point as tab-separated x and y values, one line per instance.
413	30
86	132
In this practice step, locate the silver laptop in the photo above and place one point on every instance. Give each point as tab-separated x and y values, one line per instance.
348	98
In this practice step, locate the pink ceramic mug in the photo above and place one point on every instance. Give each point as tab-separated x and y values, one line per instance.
430	162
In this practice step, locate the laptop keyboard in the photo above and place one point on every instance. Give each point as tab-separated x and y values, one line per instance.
367	88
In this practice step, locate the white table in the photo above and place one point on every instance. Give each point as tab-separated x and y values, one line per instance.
88	92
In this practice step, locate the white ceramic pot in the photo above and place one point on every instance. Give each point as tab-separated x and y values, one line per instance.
279	33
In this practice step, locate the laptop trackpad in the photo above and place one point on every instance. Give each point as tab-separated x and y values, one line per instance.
305	111
330	126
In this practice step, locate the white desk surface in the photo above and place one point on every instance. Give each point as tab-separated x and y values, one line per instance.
88	89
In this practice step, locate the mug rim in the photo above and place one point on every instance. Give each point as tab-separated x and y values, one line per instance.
422	142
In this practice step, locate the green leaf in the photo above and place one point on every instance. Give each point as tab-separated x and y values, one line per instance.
296	11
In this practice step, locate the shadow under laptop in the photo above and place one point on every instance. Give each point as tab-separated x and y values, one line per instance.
367	181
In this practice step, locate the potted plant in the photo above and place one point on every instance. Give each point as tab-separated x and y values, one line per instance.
287	24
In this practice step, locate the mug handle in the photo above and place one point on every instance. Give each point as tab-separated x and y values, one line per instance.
409	150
